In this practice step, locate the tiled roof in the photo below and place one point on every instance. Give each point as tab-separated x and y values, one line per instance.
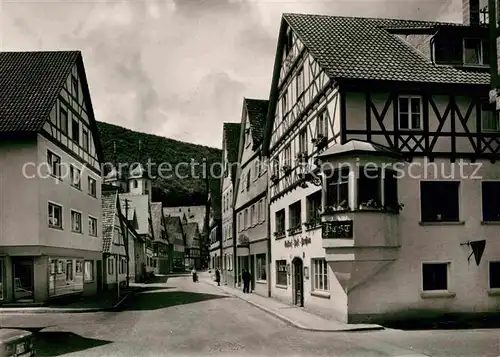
141	205
156	218
362	48
257	112
191	232
30	83
215	195
108	220
232	139
173	226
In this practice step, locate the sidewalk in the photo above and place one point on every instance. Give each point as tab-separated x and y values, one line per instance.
293	315
106	301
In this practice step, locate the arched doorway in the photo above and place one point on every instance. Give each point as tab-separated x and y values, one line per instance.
298	282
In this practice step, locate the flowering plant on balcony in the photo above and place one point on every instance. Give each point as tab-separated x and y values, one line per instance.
320	141
370	204
279	234
394	208
342	206
302	156
274	178
313	222
295	229
287	169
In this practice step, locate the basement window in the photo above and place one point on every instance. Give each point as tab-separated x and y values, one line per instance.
439	201
435	276
490	191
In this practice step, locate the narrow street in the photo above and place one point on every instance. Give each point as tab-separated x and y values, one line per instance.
182	318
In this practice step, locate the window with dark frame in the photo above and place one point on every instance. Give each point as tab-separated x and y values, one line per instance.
391	201
284	104
85	140
321	124
63	120
300	82
314	206
287	155
75	131
369	188
490	192
74	87
295	214
280	221
410	112
92	227
494	275
476	51
434	276
303	141
490	118
281	273
54	162
261	267
337	190
439	201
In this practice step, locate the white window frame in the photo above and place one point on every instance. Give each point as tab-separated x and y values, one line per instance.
72	221
53	226
91	219
89	181
57	168
85	270
74	183
480	54
322	123
446	291
409	113
320	275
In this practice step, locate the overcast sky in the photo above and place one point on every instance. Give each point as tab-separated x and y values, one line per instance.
179	68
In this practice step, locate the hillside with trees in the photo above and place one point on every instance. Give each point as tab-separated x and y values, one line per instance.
168	156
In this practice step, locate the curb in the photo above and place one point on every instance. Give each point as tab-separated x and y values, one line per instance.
295	324
62	310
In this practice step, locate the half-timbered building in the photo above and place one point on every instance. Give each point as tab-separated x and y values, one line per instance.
382	145
230	142
50	178
250	199
214	222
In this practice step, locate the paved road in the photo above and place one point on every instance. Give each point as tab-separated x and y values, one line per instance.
180	318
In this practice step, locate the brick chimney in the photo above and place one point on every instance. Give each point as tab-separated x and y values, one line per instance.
470	12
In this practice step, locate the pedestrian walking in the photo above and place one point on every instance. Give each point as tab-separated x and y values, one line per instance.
245	275
195	276
217	277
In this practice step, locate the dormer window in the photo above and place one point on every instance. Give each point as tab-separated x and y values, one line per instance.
475	52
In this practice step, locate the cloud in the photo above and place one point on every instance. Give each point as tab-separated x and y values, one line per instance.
179	68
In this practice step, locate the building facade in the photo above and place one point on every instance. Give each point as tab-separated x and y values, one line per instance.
192	213
250	202
363	229
192	256
177	239
214	223
230	142
50	154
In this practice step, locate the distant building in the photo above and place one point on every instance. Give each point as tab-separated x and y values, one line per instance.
160	244
50	221
192	257
250	206
189	213
230	143
214	223
177	240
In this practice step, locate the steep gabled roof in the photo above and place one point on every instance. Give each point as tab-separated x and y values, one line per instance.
156	217
358	48
362	48
108	219
30	83
257	112
231	132
175	233
192	232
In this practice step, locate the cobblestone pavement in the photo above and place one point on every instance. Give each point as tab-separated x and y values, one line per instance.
181	318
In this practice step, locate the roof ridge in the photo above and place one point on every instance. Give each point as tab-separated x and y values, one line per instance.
458	24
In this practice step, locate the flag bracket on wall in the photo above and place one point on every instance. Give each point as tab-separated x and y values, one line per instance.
477	249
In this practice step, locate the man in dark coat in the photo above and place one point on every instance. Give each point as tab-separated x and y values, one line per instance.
217	277
245	276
